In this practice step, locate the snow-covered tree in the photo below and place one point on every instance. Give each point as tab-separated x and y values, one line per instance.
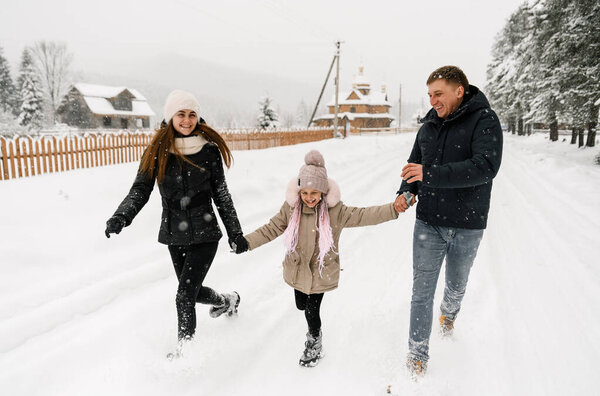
507	85
52	61
31	98
26	60
302	114
545	65
580	73
7	87
267	117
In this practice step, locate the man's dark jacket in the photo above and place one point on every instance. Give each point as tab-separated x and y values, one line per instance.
460	157
187	192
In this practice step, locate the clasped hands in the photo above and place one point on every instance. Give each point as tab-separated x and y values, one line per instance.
410	173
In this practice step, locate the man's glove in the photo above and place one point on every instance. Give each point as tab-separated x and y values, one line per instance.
238	244
114	225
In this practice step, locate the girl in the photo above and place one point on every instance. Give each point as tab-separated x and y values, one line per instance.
184	158
311	220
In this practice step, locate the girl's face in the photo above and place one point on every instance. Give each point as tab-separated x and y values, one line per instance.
310	197
184	121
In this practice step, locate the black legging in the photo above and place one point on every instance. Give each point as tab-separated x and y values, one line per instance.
191	264
311	305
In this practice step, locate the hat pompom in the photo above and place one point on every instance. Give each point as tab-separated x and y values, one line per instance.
313	157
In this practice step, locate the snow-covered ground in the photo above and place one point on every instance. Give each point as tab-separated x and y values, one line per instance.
84	315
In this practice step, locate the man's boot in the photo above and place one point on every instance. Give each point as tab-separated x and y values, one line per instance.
416	367
446	326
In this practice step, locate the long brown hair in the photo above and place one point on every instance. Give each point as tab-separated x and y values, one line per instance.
154	160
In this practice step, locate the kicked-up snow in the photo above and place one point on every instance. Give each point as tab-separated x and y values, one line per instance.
83	314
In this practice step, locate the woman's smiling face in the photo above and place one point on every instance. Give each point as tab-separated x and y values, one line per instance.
184	121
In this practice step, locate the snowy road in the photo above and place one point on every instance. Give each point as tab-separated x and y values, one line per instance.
82	314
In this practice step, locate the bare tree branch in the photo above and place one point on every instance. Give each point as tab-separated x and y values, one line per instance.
52	62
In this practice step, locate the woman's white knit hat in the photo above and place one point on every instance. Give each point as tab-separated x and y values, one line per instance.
313	174
180	100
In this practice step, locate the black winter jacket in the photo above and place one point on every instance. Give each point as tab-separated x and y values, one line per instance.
187	193
460	157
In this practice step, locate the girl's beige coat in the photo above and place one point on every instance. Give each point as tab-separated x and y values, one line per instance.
300	268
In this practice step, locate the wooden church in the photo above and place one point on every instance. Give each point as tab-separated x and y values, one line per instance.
360	108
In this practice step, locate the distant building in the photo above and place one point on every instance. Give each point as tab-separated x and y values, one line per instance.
101	106
361	108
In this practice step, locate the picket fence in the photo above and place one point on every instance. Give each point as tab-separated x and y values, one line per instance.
29	156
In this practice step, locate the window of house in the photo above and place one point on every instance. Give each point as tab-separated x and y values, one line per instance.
124	123
352	109
107	122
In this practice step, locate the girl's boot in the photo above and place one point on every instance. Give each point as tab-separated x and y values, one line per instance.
313	350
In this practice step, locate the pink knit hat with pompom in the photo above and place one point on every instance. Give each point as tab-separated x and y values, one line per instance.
313	174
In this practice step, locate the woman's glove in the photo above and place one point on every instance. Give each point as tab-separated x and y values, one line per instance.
114	225
238	244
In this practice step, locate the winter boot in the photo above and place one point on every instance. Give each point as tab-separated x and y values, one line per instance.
313	350
229	306
446	326
416	367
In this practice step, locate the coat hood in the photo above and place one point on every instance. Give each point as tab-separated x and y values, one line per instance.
333	195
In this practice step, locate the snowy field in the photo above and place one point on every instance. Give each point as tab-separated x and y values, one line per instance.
81	314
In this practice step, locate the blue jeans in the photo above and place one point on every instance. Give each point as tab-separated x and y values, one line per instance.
430	245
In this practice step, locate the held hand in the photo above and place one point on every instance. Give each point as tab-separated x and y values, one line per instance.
238	244
412	173
401	205
114	225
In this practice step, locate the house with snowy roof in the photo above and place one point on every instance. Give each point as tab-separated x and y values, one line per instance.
360	108
101	106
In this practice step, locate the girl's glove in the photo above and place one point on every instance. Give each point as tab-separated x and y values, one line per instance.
114	225
238	244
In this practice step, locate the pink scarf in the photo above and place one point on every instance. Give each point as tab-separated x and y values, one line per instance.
323	228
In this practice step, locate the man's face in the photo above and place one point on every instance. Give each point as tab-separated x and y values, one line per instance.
445	97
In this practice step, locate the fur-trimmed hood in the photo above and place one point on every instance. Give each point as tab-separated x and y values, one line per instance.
333	195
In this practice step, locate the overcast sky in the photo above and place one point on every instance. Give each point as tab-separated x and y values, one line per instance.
397	41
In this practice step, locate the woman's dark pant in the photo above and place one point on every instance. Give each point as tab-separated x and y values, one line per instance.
311	305
192	263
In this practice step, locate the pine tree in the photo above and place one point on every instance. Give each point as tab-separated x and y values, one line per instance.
506	87
26	60
7	88
31	115
581	72
267	117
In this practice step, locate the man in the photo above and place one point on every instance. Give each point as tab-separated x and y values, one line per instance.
455	156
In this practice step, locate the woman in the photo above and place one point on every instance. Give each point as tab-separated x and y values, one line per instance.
184	158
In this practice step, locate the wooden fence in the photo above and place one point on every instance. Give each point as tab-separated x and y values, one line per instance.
30	156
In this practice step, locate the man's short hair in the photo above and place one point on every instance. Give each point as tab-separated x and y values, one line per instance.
450	74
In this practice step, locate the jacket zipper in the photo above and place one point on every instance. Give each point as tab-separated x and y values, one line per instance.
187	210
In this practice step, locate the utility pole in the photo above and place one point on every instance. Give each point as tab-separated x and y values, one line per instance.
336	57
337	86
321	94
400	109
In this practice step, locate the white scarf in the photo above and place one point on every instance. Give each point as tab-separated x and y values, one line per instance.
189	145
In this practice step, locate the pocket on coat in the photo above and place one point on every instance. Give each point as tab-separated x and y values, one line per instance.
291	267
